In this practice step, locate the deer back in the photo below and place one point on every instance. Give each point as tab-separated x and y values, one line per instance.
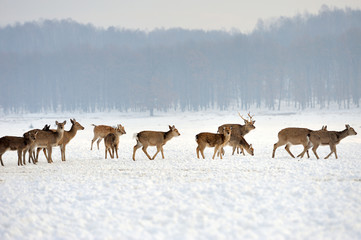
155	138
294	136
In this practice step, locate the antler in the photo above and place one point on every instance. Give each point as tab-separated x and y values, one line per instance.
242	117
250	117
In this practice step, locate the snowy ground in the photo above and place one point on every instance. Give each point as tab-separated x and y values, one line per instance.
182	197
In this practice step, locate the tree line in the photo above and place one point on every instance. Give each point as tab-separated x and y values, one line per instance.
60	65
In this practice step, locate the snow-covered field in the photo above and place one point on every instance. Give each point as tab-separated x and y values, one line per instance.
182	197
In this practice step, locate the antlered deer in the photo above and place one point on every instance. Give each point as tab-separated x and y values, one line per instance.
101	131
239	130
331	138
18	144
48	139
215	140
154	138
111	142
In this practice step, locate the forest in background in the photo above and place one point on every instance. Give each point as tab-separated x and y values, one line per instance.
305	61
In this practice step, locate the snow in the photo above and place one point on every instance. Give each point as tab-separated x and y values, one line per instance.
182	197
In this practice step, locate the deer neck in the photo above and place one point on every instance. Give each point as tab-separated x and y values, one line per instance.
168	136
72	132
59	134
341	135
227	138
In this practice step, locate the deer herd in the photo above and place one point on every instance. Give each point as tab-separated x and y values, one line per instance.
227	135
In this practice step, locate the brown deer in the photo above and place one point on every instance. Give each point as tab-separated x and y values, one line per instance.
101	131
69	135
30	148
215	140
48	139
331	138
239	130
111	142
295	136
19	144
240	143
153	138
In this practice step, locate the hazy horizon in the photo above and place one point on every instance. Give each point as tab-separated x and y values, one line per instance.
144	15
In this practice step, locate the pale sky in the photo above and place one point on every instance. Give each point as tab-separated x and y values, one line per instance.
150	14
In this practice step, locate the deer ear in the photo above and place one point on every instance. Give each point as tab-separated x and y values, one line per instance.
64	122
170	127
250	145
253	122
72	121
245	121
347	126
56	122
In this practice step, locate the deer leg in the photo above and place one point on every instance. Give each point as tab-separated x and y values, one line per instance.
50	149
116	150
314	150
112	152
215	151
197	151
37	154
19	158
275	146
144	148
234	149
24	155
288	150
333	150
158	150
135	148
62	150
161	151
44	151
93	140
99	140
1	159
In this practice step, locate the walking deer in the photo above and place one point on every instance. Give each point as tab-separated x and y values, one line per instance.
19	144
215	140
295	136
331	138
239	130
101	131
111	142
48	139
154	138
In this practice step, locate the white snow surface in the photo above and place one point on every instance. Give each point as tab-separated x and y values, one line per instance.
182	197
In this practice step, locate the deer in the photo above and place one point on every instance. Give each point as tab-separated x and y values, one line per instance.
154	138
295	136
69	135
101	131
240	143
216	140
30	147
111	142
331	138
48	139
239	130
18	144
